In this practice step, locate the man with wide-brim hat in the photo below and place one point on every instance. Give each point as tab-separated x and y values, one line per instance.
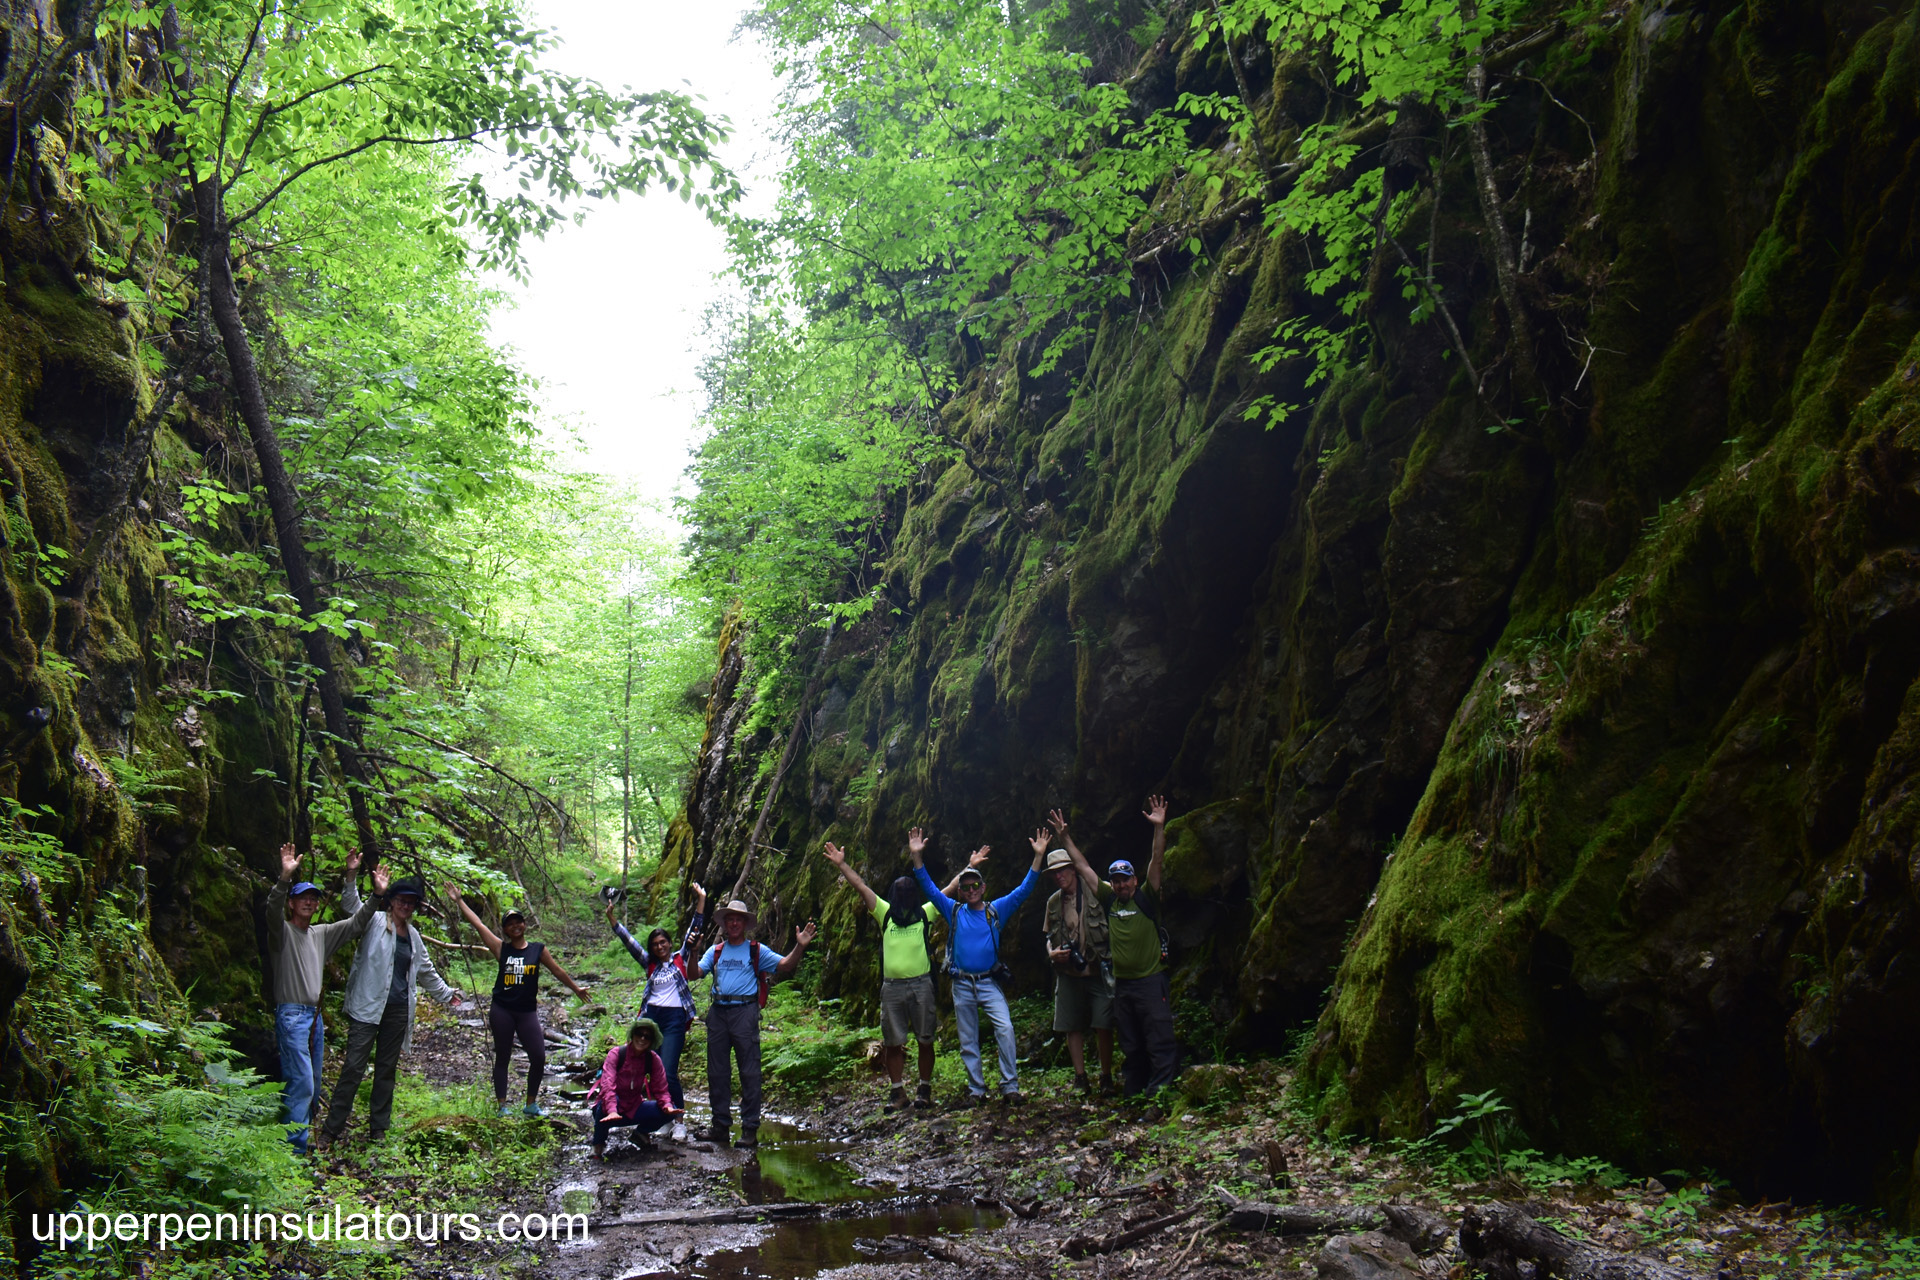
390	966
300	949
742	970
1076	927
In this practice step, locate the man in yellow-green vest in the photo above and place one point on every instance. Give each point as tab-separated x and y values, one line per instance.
906	972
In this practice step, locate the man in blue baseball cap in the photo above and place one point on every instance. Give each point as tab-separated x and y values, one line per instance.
300	949
1142	1000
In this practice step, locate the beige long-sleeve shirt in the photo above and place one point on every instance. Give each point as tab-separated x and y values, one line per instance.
299	955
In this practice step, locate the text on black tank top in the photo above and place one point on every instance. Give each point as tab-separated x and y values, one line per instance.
516	985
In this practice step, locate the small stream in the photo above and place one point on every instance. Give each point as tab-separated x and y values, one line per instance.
791	1165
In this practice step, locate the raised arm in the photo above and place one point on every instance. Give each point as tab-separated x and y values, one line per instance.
838	858
634	949
486	935
916	849
1156	813
688	947
350	892
553	967
277	896
801	941
1058	821
975	860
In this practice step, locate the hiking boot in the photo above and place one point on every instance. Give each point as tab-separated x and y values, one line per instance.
1108	1089
322	1139
923	1099
1013	1098
720	1136
599	1151
749	1136
1082	1086
897	1100
968	1101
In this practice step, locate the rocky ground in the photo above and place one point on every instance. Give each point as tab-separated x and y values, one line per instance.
1230	1180
1226	1175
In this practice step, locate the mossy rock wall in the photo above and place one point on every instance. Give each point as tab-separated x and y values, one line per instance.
1571	759
140	763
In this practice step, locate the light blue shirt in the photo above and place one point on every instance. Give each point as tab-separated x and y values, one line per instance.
733	977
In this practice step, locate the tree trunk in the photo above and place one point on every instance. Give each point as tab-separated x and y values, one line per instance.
223	302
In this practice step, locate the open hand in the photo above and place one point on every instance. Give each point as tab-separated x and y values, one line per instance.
289	861
699	895
381	878
353	863
916	842
453	893
835	854
806	935
1156	811
1058	821
1039	840
978	858
582	994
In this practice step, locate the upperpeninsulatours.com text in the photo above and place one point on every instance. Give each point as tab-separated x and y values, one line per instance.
92	1230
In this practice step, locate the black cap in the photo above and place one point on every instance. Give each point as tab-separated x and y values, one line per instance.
406	884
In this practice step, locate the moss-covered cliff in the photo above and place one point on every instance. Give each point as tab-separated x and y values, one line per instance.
1569	745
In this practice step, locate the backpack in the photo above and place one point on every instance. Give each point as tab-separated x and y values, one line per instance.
753	960
1001	975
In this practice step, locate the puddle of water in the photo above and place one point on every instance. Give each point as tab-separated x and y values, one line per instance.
792	1164
804	1247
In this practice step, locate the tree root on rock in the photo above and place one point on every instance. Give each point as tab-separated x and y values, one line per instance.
1506	1244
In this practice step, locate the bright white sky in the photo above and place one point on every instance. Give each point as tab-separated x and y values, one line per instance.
610	320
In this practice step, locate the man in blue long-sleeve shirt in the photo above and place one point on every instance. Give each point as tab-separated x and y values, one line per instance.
975	926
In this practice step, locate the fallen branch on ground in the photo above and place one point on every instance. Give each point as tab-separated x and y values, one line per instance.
1083	1246
1508	1245
1253	1215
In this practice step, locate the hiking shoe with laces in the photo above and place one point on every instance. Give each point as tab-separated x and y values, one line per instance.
1108	1089
923	1099
720	1136
1013	1098
897	1100
749	1136
533	1109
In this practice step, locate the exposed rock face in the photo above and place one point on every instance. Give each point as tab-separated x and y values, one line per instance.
1583	750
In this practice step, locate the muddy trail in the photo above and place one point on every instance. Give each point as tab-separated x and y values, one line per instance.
1229	1177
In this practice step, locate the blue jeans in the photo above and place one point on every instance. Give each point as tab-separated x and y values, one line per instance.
302	1049
646	1119
673	1021
973	996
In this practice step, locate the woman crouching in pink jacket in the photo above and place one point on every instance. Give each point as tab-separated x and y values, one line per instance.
632	1088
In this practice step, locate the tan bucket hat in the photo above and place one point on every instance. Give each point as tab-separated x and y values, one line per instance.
1059	859
738	908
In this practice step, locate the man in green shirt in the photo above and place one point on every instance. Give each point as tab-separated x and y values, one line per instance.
1142	1000
906	973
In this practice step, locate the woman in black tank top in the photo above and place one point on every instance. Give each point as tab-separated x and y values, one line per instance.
515	1014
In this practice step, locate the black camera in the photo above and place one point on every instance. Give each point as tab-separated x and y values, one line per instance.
1073	954
613	893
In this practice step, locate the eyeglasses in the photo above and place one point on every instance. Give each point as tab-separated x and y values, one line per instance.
973	886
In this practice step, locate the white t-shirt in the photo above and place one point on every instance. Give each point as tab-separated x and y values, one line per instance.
662	989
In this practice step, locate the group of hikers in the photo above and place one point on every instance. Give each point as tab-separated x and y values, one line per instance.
1102	934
